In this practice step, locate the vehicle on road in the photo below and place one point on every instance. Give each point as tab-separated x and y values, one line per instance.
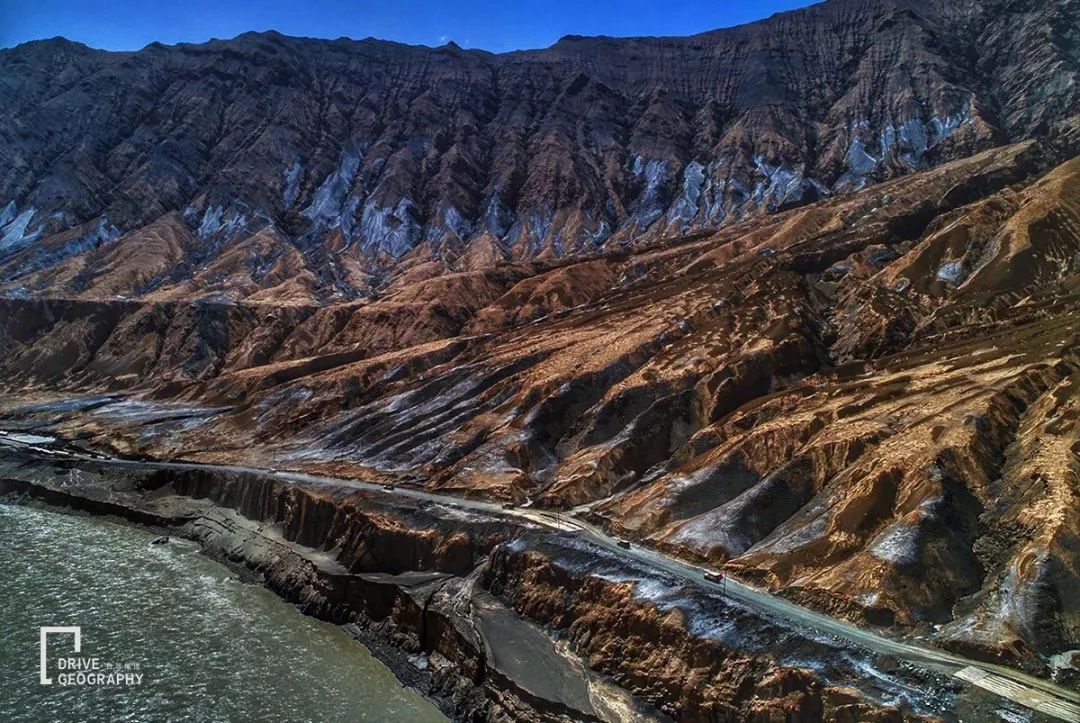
389	487
624	544
713	576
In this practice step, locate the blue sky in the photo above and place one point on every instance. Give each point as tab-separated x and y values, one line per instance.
497	25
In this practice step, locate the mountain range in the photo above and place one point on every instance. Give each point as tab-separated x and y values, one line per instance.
797	300
313	170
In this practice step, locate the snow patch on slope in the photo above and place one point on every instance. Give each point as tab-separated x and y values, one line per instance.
497	219
216	222
899	545
16	234
951	272
649	204
389	229
686	205
329	207
448	222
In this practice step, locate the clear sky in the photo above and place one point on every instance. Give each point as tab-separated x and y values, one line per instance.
496	25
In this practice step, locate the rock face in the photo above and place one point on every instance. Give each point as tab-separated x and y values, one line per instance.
271	168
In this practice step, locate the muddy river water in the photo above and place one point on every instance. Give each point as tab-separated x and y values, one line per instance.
167	634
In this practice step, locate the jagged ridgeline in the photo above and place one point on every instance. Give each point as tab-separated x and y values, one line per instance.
274	167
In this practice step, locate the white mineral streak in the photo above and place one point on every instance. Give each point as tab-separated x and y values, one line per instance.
649	204
16	234
685	208
292	184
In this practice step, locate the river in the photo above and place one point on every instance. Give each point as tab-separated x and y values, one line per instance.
205	647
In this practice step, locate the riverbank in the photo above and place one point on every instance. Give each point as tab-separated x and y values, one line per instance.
403	608
502	614
403	666
162	628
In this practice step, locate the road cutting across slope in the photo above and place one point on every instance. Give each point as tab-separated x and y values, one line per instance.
1036	693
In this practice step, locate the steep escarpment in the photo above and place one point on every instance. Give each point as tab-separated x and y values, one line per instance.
273	168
